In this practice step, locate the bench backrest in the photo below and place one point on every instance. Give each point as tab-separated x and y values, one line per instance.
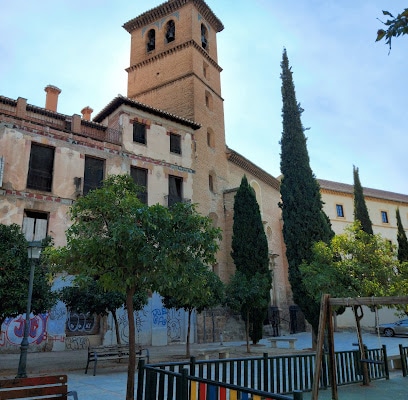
38	387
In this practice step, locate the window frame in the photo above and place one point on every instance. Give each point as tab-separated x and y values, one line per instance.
89	179
137	173
175	143
175	190
139	132
40	176
384	217
151	40
339	207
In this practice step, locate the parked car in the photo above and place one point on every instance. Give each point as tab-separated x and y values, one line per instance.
395	328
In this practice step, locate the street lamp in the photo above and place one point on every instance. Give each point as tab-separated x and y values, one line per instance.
34	251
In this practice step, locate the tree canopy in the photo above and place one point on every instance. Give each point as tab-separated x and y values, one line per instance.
14	276
251	259
360	206
395	27
401	239
114	239
304	221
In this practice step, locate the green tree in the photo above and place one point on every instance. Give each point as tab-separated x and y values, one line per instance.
360	206
250	255
401	239
88	296
14	276
242	292
354	264
396	26
304	221
191	243
113	239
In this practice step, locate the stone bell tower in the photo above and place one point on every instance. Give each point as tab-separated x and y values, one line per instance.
174	67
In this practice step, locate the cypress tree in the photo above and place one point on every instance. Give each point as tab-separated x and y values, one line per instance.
250	251
304	221
402	239
360	206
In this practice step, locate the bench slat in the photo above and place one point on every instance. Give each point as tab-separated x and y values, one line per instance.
35	381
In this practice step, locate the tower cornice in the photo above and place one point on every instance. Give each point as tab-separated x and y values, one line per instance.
173	50
167	8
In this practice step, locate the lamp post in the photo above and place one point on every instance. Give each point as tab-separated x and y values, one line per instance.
34	251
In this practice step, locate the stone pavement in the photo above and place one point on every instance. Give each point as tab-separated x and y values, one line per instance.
110	379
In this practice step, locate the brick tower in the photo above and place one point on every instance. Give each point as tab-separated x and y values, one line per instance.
174	67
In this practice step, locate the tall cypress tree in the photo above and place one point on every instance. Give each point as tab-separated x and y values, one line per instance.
304	221
402	239
360	206
250	251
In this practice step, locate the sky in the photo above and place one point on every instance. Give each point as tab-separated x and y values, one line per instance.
352	89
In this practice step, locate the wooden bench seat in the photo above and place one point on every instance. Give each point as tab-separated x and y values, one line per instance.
40	387
274	341
116	352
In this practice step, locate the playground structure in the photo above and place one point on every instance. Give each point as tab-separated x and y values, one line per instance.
326	322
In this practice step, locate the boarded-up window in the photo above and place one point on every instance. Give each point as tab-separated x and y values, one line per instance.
139	176
40	168
35	225
93	174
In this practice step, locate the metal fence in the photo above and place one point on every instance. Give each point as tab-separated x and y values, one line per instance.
277	375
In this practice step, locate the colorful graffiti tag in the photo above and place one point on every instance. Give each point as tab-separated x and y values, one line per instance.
13	330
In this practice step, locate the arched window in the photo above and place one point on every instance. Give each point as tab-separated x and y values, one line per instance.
210	138
170	31
151	40
204	37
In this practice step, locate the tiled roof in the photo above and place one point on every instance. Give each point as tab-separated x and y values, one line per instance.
167	8
249	166
368	192
119	100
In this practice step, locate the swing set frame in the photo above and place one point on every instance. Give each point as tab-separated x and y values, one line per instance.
326	322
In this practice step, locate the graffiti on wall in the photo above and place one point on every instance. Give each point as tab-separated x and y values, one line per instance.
174	321
13	330
159	316
77	343
81	323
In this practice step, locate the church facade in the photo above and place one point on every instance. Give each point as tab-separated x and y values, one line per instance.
168	134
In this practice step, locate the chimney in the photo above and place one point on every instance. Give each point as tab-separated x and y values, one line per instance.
51	99
86	113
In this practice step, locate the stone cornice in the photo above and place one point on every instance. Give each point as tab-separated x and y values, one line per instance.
169	7
173	50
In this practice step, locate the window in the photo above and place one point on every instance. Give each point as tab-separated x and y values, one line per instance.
175	190
139	176
210	138
175	143
151	40
208	100
211	182
384	217
35	225
139	132
204	37
40	168
170	31
205	70
93	174
339	209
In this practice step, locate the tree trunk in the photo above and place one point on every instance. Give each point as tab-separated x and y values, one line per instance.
188	334
247	332
130	389
359	317
115	320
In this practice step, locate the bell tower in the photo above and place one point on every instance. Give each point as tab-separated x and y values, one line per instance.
174	67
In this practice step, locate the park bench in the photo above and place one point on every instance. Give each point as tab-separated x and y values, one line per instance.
274	341
116	352
40	387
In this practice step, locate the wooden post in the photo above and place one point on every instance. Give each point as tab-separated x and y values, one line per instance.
332	358
320	341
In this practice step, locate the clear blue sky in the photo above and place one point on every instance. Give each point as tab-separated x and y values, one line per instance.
353	92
